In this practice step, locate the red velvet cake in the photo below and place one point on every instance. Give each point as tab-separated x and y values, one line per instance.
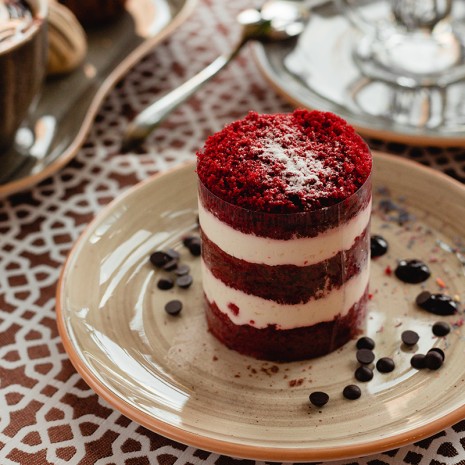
284	211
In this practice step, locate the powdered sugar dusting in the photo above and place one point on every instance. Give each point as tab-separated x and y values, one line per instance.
285	163
298	172
299	169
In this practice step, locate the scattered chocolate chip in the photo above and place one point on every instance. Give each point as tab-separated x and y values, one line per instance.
365	356
159	258
422	298
173	307
365	342
439	351
385	365
194	247
173	254
438	304
364	374
378	246
171	265
409	337
412	271
184	281
182	270
352	392
187	240
318	398
165	283
418	361
195	250
433	360
441	328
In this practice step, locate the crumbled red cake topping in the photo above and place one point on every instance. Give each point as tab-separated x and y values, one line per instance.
285	162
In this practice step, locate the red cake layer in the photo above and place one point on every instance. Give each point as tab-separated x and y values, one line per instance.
285	163
286	226
286	345
287	284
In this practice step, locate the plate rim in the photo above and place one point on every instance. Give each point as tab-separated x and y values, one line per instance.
422	140
124	66
229	447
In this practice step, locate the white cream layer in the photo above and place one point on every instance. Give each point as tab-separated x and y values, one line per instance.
259	313
300	252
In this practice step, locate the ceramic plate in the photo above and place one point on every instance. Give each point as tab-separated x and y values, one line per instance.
319	72
169	374
68	105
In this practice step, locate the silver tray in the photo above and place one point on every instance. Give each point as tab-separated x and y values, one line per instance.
318	72
67	106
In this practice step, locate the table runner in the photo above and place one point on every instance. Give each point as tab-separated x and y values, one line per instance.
48	413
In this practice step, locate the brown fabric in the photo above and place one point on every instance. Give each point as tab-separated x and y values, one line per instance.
49	415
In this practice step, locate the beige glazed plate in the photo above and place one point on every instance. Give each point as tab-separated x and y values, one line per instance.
170	375
67	106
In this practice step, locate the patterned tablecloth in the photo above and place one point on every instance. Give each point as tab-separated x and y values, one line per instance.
48	414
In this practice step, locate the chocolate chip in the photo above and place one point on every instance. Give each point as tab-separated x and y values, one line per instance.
385	365
173	254
184	281
352	392
365	356
364	374
439	351
173	307
187	240
433	360
441	328
412	271
418	361
365	342
378	246
409	337
318	398
194	246
195	250
171	265
181	270
422	297
165	283
438	304
159	258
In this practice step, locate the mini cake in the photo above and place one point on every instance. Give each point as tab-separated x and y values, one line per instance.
284	212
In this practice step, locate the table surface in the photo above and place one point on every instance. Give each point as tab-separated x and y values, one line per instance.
48	414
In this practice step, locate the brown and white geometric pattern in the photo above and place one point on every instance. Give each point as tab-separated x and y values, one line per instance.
48	415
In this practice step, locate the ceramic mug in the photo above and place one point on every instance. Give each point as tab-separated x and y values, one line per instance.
23	59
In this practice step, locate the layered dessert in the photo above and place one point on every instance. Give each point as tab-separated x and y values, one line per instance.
284	211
